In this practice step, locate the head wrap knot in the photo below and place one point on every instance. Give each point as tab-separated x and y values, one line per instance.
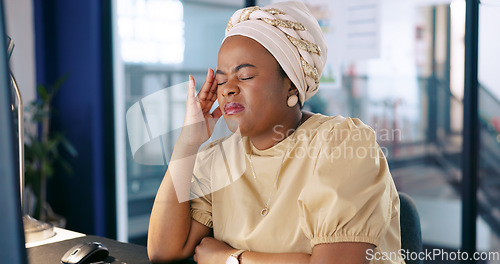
292	35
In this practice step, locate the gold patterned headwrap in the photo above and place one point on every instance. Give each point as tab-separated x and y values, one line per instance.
292	35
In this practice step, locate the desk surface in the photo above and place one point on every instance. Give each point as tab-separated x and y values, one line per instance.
60	235
119	253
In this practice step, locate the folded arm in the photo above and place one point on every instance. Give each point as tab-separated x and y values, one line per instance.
172	234
211	251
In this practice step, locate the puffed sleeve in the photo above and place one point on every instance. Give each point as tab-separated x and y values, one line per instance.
348	196
201	193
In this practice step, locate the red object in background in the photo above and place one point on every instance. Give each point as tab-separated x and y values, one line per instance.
495	122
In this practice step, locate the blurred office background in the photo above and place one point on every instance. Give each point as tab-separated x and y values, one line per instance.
397	65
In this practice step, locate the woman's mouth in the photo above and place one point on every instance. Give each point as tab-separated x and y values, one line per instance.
233	108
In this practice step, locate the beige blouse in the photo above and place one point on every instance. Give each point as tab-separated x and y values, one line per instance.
327	182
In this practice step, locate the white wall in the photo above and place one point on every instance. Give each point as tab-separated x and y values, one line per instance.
489	53
20	27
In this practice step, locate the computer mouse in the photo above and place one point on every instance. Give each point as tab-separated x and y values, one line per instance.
85	253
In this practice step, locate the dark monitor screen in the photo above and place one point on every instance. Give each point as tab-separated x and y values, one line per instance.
12	247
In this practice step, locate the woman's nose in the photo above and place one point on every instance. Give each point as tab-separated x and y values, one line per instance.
230	88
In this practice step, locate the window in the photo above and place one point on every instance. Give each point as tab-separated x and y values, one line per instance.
151	31
158	43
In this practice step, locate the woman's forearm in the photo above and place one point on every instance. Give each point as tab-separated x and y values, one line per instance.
342	252
170	222
250	257
172	234
211	250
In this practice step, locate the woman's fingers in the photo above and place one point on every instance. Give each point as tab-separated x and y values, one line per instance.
192	103
198	119
204	93
194	112
212	120
208	93
213	91
191	90
217	113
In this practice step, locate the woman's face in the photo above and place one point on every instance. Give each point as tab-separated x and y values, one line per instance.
252	93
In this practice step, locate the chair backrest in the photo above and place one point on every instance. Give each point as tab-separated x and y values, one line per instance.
411	236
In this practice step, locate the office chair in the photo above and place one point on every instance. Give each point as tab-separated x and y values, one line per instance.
411	236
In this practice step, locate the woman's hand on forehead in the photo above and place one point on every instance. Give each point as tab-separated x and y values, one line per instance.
199	123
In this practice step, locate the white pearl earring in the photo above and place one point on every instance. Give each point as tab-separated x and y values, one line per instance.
292	100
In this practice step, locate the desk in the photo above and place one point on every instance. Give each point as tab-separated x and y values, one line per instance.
119	253
60	235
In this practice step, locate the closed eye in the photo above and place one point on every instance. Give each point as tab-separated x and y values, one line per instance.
218	84
248	78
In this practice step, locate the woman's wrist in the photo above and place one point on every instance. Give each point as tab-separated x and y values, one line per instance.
184	149
232	256
240	257
189	141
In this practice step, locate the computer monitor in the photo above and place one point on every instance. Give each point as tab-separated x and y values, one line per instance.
12	246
